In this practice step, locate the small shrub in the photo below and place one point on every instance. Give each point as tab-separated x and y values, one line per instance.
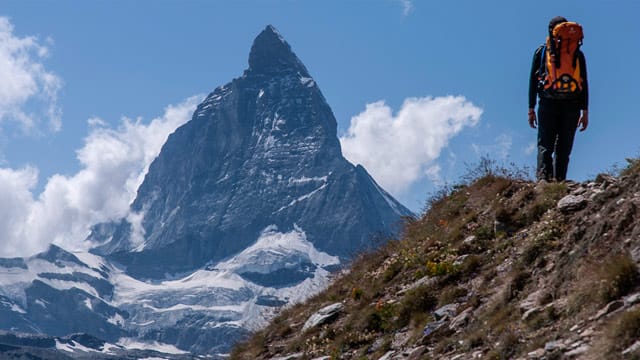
624	331
600	282
356	293
508	345
476	339
633	167
377	319
391	272
471	265
483	233
519	279
440	268
619	275
543	318
551	193
451	294
416	302
532	252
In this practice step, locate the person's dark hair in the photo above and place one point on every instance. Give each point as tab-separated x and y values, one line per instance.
555	21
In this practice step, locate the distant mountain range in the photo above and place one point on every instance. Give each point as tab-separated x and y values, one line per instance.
248	207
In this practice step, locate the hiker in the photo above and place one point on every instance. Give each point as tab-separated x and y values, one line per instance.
559	79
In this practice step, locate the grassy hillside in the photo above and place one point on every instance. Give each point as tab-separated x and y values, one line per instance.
497	268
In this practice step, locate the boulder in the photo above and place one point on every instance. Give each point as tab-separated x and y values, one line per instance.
572	203
323	316
461	320
447	311
433	327
609	308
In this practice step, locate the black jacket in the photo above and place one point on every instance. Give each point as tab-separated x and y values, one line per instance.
583	99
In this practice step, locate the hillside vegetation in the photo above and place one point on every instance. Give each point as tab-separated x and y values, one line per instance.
497	268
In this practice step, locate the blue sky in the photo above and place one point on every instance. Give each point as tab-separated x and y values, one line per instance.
105	81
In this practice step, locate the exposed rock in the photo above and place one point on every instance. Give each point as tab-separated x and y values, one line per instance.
632	299
572	203
323	316
427	280
555	345
610	307
631	349
580	350
400	339
416	353
537	354
587	333
446	312
289	357
377	345
460	259
387	356
461	319
470	239
531	302
579	191
605	179
531	312
433	327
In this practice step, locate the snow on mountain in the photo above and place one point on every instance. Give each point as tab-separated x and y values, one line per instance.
230	297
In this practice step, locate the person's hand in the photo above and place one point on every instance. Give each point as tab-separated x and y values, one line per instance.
533	122
583	123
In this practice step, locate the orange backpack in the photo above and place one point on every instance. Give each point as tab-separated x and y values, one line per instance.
559	73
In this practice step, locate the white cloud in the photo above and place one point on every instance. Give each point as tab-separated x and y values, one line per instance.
530	149
407	6
400	150
114	162
433	174
498	150
28	92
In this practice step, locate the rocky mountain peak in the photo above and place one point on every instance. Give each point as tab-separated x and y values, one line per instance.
270	54
260	151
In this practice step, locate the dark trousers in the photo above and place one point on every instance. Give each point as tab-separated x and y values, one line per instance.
557	124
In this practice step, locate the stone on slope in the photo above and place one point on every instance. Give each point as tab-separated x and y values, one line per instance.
323	316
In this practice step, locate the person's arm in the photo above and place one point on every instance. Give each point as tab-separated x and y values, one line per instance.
533	87
583	122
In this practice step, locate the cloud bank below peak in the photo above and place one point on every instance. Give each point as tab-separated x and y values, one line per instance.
399	150
114	163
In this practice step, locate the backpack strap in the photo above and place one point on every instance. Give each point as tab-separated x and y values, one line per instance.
575	55
542	70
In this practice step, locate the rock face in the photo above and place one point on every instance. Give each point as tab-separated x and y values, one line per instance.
259	151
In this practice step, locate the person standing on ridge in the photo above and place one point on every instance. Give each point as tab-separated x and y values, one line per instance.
559	78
